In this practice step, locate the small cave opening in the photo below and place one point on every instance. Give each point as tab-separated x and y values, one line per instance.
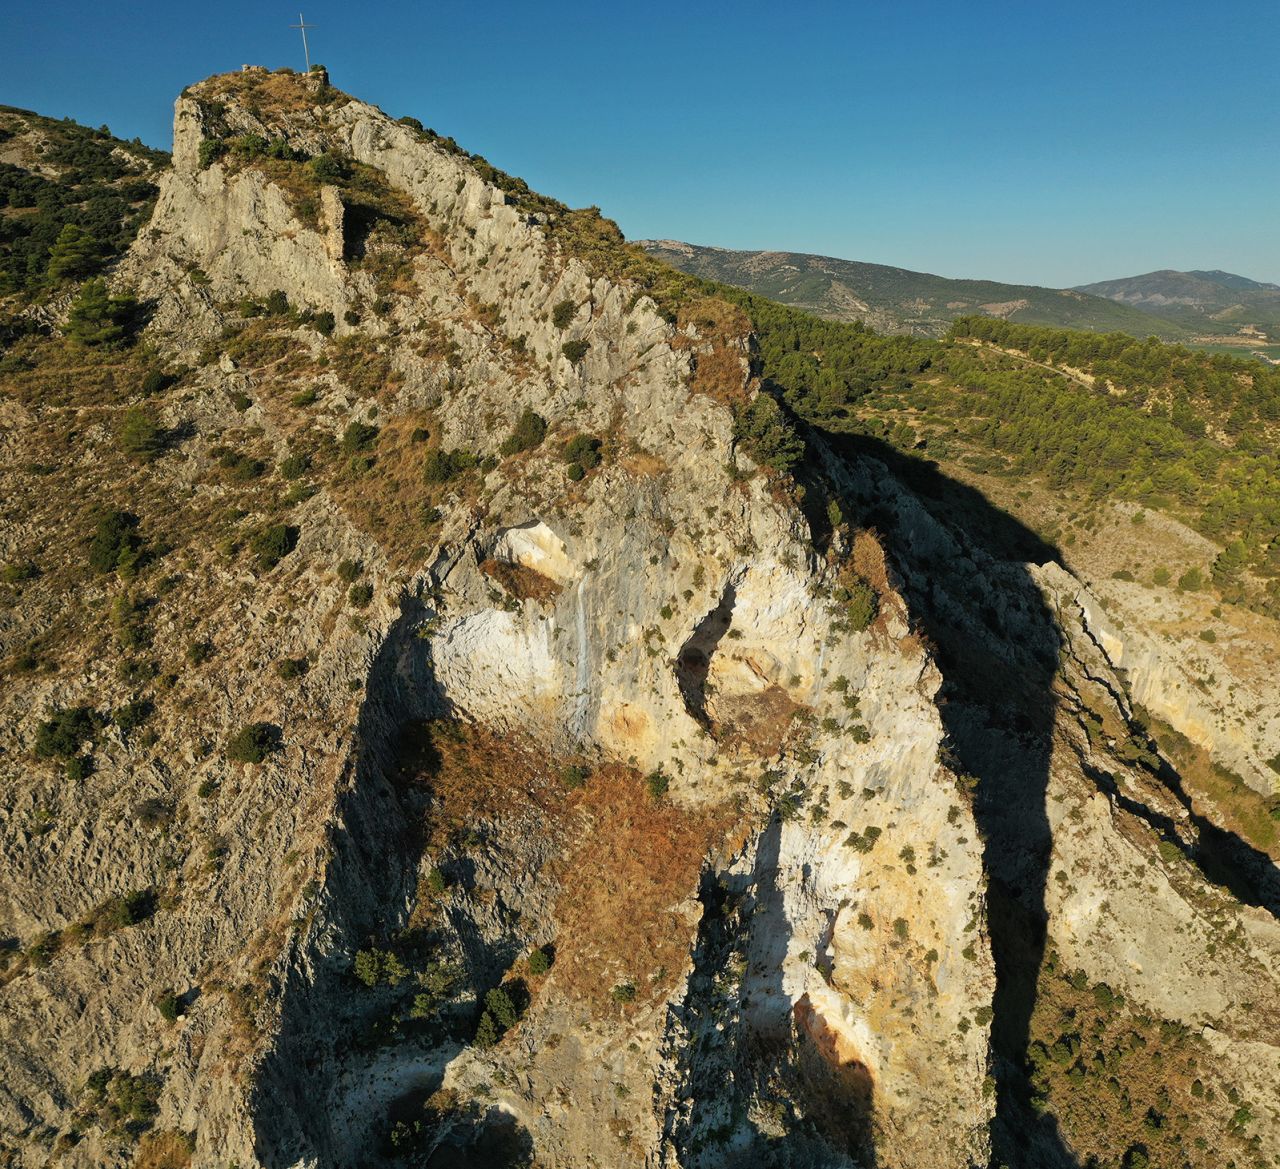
693	662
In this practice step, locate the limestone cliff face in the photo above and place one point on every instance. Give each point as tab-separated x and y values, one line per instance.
788	953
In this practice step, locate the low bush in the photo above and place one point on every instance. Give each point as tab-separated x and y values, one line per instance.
539	961
359	436
139	434
360	595
575	351
440	465
116	544
254	743
291	668
272	544
529	431
563	313
168	1006
584	450
63	733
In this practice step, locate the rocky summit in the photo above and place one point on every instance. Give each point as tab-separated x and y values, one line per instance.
455	715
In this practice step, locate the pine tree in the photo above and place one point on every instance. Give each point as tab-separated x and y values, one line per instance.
75	253
97	318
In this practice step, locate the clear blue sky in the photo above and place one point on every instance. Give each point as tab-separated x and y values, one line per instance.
1030	142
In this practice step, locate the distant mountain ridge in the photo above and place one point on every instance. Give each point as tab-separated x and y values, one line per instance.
898	300
1203	301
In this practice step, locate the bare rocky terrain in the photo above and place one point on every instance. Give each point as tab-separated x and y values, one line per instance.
434	734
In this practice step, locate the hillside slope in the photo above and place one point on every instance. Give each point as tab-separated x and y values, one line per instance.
454	713
55	175
1206	302
895	300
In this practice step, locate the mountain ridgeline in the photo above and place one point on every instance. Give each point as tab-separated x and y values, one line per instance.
476	695
896	300
1204	302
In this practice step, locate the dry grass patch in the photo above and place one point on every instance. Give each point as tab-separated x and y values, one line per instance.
165	1149
719	351
622	917
518	581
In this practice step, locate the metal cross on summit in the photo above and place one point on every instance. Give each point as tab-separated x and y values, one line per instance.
302	27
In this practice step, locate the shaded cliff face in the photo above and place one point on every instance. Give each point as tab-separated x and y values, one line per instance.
601	808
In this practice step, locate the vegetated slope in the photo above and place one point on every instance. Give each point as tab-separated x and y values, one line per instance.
1206	302
56	175
454	703
895	300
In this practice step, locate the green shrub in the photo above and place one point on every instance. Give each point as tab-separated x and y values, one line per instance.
575	351
295	466
349	570
75	254
584	450
277	303
329	168
624	992
62	733
304	398
254	743
767	435
575	472
116	543
574	776
859	602
359	436
360	595
272	544
156	382
529	431
167	1005
139	434
324	323
241	401
291	668
563	313
656	783
539	961
1191	581
440	465
79	768
125	910
487	1032
132	715
499	1004
199	652
437	882
211	149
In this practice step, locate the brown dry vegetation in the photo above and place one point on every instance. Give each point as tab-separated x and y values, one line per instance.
634	861
164	1149
281	92
719	351
520	582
